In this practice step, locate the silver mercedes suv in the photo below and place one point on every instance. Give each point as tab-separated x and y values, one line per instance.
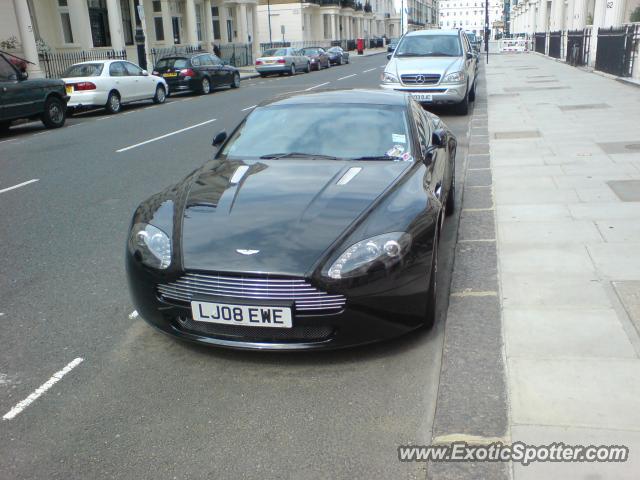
435	66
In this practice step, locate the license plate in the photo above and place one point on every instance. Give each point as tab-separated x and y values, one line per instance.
246	315
422	97
69	88
166	75
269	61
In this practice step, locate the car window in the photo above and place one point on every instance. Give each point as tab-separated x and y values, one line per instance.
84	70
374	131
133	70
196	61
172	62
7	72
429	46
205	60
275	52
215	60
116	69
422	123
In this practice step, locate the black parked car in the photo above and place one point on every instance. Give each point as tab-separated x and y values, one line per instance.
197	72
41	98
287	239
337	56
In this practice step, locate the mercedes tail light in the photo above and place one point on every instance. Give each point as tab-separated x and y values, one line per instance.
80	86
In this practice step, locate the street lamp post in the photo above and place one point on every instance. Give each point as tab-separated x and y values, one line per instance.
486	28
139	37
269	17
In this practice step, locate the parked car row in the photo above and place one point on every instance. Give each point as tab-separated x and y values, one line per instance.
106	83
288	60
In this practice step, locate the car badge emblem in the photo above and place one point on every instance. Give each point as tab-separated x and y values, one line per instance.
420	79
247	252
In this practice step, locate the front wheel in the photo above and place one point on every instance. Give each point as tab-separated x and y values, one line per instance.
54	113
292	70
463	107
205	86
113	103
236	80
160	95
308	68
432	293
450	204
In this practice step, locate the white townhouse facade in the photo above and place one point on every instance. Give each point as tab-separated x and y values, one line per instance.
89	25
323	21
419	14
470	15
530	16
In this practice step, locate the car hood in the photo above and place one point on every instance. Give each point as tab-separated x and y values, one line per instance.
440	65
288	211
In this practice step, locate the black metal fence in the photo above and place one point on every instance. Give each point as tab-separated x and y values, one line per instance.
158	53
578	42
615	50
541	42
55	63
237	54
555	44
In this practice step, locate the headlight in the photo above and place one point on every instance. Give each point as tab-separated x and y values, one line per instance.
454	77
383	250
388	77
150	245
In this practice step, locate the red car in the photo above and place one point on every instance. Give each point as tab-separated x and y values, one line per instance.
318	57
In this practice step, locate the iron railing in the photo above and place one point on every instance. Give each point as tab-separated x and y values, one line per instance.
55	63
578	42
555	44
158	53
615	50
237	54
541	42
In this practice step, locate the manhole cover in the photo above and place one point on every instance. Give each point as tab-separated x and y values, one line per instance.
633	146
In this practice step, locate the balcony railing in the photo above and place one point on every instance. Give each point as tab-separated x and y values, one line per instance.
367	8
348	4
329	2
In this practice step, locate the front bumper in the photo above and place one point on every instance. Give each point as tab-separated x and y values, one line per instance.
273	68
182	84
441	94
365	318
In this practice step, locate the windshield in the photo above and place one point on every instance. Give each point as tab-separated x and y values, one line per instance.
172	63
83	70
472	37
310	51
275	52
334	50
336	130
429	46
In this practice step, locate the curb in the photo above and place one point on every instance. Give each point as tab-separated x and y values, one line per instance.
471	405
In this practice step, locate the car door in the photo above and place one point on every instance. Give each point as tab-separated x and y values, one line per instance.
122	82
17	98
143	86
469	59
432	157
221	72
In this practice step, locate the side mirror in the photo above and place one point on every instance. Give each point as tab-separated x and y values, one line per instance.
23	76
145	73
438	138
469	55
219	138
388	56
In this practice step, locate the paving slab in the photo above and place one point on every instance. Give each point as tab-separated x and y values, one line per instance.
532	213
563	232
545	259
629	295
617	261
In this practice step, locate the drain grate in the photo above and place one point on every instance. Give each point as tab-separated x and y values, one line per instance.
584	106
516	135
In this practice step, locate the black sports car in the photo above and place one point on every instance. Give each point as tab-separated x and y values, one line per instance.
337	56
283	242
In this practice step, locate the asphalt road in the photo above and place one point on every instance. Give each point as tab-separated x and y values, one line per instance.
140	404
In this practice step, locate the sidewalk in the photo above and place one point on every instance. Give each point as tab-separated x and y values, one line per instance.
250	72
565	164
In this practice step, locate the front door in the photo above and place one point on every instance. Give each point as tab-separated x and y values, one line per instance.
175	23
17	99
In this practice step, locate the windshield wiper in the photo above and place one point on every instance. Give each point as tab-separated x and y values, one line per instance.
276	156
412	54
374	157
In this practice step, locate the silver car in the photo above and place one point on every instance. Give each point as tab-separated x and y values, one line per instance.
438	67
282	60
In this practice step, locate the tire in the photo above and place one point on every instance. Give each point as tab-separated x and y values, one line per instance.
160	96
236	80
308	68
205	86
450	204
432	293
340	60
472	93
113	102
54	113
292	70
263	75
463	107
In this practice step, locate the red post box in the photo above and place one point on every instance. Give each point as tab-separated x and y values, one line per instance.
360	46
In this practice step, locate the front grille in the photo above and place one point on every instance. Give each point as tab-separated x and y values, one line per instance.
420	79
307	299
258	334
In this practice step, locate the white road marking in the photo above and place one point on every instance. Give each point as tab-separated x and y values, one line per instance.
370	70
133	315
317	86
348	76
19	185
55	378
164	136
248	108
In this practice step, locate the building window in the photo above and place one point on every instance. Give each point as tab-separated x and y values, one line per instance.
215	18
127	23
99	22
65	21
175	24
199	21
159	27
157	6
230	32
